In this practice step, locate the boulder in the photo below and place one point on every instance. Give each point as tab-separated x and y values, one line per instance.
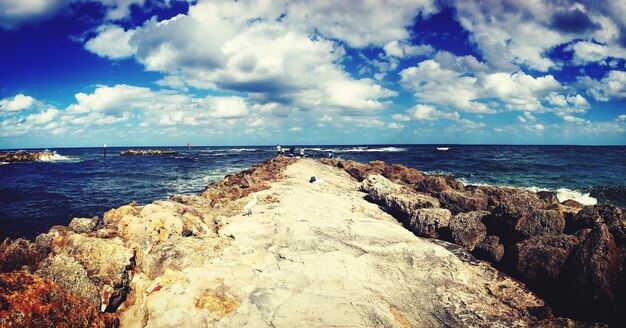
548	197
539	260
494	194
611	215
401	174
84	225
489	249
463	201
71	275
434	184
400	201
540	222
30	301
378	187
21	254
430	222
467	229
593	271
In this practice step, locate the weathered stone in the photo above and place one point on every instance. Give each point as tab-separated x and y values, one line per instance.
434	184
593	272
29	301
113	216
489	249
467	229
84	225
611	215
379	187
400	201
548	197
539	260
71	275
23	156
540	222
463	201
430	222
20	254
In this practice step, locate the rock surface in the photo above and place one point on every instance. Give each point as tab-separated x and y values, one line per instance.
23	156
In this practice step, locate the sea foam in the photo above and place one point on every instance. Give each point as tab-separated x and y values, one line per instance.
54	157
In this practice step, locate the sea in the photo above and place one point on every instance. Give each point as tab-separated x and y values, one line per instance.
81	182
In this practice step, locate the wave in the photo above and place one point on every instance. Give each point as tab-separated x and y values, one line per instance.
54	157
369	150
4	163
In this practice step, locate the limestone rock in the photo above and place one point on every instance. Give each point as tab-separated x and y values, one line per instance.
20	254
401	202
463	201
430	222
23	156
71	275
539	260
29	301
83	225
489	249
467	229
594	268
548	197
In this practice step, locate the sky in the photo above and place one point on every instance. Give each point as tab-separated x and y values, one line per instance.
80	73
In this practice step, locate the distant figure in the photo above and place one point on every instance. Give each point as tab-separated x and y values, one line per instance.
282	151
188	147
331	155
292	151
104	150
302	152
278	150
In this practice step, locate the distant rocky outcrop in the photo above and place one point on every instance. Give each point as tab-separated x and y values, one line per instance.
24	156
569	253
132	152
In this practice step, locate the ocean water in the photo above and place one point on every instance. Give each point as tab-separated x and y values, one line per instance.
79	182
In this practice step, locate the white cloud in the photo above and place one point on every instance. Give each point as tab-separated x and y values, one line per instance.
401	49
401	117
586	52
613	85
112	42
14	13
295	129
430	113
621	118
395	126
43	117
18	103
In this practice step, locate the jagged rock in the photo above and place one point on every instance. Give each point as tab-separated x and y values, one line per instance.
539	260
401	202
114	215
71	275
22	156
467	229
463	201
20	254
330	161
84	225
494	194
572	203
434	184
611	215
430	222
107	261
379	187
132	152
540	222
29	301
593	271
378	165
401	174
489	249
548	197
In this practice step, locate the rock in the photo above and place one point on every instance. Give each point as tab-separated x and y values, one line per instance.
401	174
114	215
378	165
467	229
572	203
29	301
548	197
463	201
84	225
434	184
593	271
20	254
71	275
132	152
540	222
22	156
494	194
401	202
612	216
108	264
330	161
539	260
489	249
430	222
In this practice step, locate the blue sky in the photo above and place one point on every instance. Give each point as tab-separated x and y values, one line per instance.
165	72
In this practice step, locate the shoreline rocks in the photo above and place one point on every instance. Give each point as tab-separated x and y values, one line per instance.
23	156
132	152
566	252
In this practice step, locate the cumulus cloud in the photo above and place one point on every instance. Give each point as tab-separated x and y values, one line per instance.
18	103
14	13
430	113
402	49
112	42
613	85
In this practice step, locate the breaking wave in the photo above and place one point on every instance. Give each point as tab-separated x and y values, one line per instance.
54	157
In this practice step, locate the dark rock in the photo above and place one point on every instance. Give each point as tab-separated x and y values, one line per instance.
539	260
572	203
467	229
548	197
20	254
379	165
330	161
23	156
434	184
593	272
463	201
540	222
430	222
29	301
401	174
494	194
489	249
611	215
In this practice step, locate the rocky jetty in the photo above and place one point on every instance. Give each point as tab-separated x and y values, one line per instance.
24	156
320	254
570	254
132	152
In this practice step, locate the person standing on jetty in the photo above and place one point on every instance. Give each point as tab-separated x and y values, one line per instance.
278	150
